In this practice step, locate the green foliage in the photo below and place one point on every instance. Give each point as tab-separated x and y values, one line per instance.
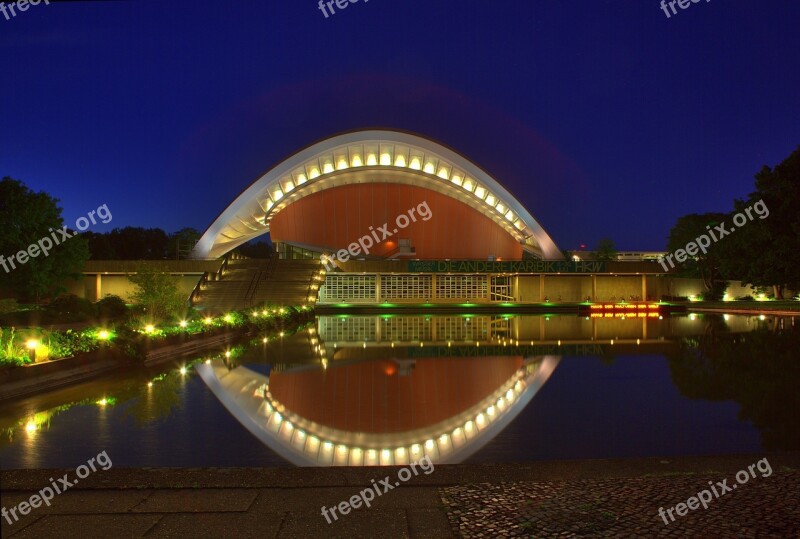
111	308
8	306
12	351
256	249
181	243
71	308
605	250
764	251
25	218
70	342
704	265
158	295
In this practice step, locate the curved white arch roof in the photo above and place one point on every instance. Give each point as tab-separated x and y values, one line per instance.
371	156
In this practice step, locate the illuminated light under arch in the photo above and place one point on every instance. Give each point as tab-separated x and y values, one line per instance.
429	165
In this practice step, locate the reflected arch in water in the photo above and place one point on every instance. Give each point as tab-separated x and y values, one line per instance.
309	440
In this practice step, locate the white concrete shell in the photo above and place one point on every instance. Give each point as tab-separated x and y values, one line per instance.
371	156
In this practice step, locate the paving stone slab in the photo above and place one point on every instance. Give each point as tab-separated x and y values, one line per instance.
429	523
376	523
197	501
239	525
283	500
116	526
90	502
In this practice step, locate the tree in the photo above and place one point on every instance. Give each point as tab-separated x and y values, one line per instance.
26	218
605	250
181	243
256	249
158	294
705	266
764	252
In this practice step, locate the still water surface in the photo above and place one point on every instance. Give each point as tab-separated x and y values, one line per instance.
461	388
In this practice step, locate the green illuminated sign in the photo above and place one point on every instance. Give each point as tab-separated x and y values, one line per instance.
505	266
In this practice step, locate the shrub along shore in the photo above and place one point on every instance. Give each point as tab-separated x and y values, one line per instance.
63	357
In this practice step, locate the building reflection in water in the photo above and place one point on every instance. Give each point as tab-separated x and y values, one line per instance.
381	412
384	390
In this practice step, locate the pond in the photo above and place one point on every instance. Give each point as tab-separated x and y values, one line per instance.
360	390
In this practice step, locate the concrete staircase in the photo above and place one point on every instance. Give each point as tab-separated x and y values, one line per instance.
245	282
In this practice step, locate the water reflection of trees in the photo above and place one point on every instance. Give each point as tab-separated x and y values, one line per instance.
758	370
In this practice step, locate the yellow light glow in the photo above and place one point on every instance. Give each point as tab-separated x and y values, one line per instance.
357	161
228	318
149	328
480	420
372	160
30	426
184	323
429	168
443	174
301	179
400	161
456	179
183	370
32	344
327	168
103	335
207	320
429	444
149	384
103	401
386	159
342	164
227	354
314	173
415	164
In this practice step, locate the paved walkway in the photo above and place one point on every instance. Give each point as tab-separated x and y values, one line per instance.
549	499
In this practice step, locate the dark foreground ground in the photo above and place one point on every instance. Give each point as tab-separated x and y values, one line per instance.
618	498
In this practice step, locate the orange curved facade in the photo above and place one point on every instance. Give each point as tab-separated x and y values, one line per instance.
436	390
335	218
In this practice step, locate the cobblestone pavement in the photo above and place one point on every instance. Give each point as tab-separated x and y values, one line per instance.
763	507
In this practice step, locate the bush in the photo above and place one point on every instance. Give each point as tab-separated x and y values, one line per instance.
717	291
70	307
8	306
11	350
111	308
70	342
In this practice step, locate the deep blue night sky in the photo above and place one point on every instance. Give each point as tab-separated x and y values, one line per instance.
604	117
